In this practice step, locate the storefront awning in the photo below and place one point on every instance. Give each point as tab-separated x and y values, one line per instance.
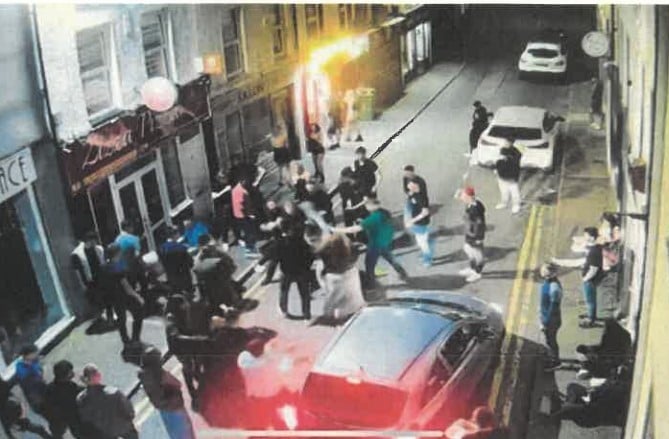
117	142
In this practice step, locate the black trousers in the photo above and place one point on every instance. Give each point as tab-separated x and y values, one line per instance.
303	283
122	307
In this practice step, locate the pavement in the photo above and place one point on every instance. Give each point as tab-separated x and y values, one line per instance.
435	116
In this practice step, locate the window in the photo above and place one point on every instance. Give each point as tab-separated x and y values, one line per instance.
455	347
345	15
361	14
233	125
439	376
279	31
93	51
314	16
156	44
257	121
176	190
232	47
517	133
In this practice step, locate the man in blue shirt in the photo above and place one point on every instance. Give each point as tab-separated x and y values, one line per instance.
550	313
177	263
127	241
192	232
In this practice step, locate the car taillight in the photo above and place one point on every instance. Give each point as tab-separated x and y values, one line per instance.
542	146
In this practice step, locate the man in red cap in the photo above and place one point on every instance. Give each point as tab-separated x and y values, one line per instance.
474	233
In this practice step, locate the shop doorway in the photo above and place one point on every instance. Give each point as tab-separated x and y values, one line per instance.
139	198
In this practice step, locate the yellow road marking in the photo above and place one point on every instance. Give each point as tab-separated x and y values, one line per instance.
514	301
523	317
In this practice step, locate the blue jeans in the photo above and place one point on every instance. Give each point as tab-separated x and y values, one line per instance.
178	424
590	295
424	242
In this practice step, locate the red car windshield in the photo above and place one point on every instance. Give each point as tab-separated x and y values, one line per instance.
351	403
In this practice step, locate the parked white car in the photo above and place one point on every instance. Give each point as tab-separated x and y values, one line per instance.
548	57
533	130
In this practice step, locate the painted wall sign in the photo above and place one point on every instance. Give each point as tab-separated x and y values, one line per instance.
17	172
111	146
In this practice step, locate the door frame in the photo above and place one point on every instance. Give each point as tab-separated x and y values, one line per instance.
136	179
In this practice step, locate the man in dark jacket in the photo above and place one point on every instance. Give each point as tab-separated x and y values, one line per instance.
13	415
366	172
320	200
177	263
214	269
352	197
410	174
105	408
479	124
60	404
295	259
507	169
474	233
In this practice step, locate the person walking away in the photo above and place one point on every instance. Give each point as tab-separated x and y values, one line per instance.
164	392
177	262
366	172
213	269
352	124
282	155
417	220
410	174
474	234
130	248
317	150
105	408
295	260
379	230
127	241
591	274
550	312
87	259
60	403
242	210
320	201
13	415
479	124
507	169
30	376
341	278
124	296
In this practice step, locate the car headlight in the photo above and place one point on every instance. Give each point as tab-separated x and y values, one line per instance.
560	63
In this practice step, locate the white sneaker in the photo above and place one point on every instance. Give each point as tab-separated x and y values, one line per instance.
500	206
465	271
473	277
515	209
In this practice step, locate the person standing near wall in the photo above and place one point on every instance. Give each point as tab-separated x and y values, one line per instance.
87	259
591	274
550	313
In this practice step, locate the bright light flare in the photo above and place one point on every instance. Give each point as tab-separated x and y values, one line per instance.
288	414
159	94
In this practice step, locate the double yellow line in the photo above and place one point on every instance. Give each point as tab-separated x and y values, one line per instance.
517	317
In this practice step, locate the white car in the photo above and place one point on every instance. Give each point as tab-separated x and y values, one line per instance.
548	57
533	131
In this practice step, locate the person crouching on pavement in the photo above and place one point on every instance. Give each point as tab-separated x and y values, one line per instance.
507	169
417	220
474	234
550	313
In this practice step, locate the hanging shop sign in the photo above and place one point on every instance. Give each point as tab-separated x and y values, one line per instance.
17	172
111	146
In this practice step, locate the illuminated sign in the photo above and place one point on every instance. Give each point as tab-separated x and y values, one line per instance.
212	64
17	172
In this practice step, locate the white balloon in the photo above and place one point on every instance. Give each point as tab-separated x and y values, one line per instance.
159	94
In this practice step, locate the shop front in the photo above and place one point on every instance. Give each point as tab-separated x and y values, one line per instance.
144	167
322	84
416	44
32	305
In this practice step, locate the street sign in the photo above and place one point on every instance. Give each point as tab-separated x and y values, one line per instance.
595	44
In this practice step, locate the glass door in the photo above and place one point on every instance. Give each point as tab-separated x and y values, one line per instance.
138	199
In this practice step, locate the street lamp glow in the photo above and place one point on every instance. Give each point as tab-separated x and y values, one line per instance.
159	94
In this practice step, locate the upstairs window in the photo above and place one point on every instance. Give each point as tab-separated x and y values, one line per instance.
279	31
314	17
94	54
232	47
345	15
156	44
